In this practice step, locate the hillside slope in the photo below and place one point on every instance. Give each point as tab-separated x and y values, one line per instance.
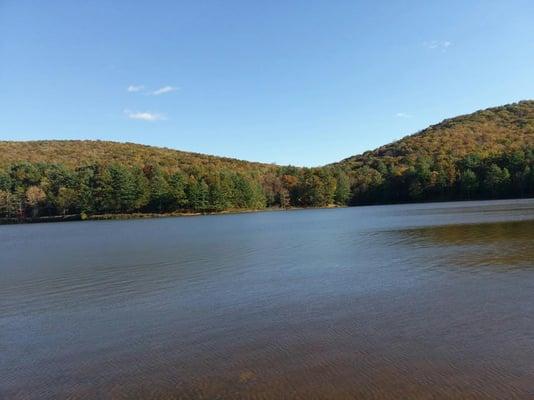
486	132
486	154
75	153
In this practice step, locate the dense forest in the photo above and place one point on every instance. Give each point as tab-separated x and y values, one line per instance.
485	155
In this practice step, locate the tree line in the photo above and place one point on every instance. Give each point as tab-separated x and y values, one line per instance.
441	178
31	190
44	189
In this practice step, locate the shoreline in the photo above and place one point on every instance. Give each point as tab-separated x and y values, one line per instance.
140	215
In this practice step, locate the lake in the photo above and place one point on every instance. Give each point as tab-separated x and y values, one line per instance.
420	301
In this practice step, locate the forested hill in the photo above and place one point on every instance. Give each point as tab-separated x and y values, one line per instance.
485	155
74	153
486	132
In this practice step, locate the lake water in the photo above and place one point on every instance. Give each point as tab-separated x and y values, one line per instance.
390	302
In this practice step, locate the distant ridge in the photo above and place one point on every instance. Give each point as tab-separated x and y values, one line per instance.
488	131
73	153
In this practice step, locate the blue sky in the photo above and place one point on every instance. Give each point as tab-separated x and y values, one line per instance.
300	82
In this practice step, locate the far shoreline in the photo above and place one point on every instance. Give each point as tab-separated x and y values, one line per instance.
140	215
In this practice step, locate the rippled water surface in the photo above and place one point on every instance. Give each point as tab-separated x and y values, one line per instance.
431	301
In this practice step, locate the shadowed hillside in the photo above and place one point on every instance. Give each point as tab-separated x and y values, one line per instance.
485	155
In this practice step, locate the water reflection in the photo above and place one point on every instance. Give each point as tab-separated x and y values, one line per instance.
498	244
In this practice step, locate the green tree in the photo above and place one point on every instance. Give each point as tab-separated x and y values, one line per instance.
197	194
86	186
496	180
116	189
25	175
67	200
342	194
367	183
159	189
5	181
468	184
177	193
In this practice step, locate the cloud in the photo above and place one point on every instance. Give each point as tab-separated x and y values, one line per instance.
135	88
144	116
442	45
164	89
403	115
157	92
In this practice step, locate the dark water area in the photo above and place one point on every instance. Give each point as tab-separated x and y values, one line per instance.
421	301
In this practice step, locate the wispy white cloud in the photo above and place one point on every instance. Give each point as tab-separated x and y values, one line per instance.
164	89
441	45
157	92
144	116
403	115
135	88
